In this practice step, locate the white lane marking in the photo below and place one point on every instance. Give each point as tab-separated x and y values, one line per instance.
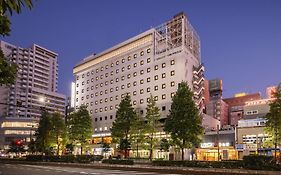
82	172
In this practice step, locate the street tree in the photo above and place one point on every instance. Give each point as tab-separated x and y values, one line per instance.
8	7
183	122
58	132
8	70
121	127
152	124
137	135
273	118
80	127
42	134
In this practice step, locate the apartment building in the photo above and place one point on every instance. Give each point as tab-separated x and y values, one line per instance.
153	62
35	88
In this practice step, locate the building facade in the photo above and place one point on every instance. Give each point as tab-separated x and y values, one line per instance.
35	88
153	62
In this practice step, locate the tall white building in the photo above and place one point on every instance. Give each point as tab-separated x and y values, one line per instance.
35	88
153	62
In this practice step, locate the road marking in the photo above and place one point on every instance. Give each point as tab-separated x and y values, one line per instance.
82	172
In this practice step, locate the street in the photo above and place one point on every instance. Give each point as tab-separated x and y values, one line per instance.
19	169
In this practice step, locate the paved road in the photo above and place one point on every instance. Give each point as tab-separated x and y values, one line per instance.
19	169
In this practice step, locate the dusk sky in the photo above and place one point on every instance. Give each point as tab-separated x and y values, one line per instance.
240	39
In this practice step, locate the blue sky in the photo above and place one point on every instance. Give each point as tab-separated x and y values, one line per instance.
240	39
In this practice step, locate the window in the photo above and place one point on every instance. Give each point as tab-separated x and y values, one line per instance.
172	84
111	73
163	86
141	62
163	108
123	78
77	78
155	88
148	60
134	102
116	97
172	62
101	117
100	101
129	58
92	72
111	98
92	80
110	117
123	69
82	91
101	85
135	93
106	67
128	85
172	94
164	96
106	99
97	78
101	69
123	60
156	77
105	108
83	83
117	79
123	87
163	75
156	98
96	110
92	95
106	91
117	71
111	81
135	64
163	65
129	76
106	83
105	118
135	55
101	77
97	70
112	65
148	70
77	85
96	119
135	74
135	83
129	67
148	50
141	101
148	79
172	73
96	94
83	75
148	89
141	91
88	74
141	72
116	88
141	53
117	62
156	67
111	107
141	81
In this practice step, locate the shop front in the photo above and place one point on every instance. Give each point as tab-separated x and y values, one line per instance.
211	152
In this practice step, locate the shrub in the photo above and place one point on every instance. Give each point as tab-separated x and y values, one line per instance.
34	157
260	162
118	161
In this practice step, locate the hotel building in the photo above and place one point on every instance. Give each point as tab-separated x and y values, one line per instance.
35	88
153	62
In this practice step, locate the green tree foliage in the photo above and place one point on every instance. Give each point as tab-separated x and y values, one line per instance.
42	134
80	127
183	122
8	72
164	145
7	7
137	135
32	146
273	118
121	127
152	118
58	132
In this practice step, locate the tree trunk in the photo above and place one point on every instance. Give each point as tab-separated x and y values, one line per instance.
151	149
182	153
275	147
58	148
81	149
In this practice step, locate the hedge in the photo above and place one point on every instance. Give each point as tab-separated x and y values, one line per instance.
118	161
65	158
255	162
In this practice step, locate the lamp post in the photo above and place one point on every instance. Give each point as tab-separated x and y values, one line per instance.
218	141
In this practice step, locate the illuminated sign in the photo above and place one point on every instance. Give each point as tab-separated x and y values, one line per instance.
210	144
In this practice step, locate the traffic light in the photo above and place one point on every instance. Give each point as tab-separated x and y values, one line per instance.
19	142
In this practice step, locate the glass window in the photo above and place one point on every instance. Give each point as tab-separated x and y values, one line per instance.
117	71
155	88
148	89
148	60
141	72
135	83
141	53
148	79
164	96
156	77
163	65
156	67
156	98
141	91
135	93
163	75
141	62
141	81
141	101
135	64
135	55
129	67
135	74
128	85
148	50
172	73
129	76
123	60
129	58
148	70
123	78
172	84
172	62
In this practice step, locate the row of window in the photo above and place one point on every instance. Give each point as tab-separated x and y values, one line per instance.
116	63
123	77
141	101
141	91
148	79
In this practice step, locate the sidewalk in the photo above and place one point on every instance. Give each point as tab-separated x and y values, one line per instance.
150	168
